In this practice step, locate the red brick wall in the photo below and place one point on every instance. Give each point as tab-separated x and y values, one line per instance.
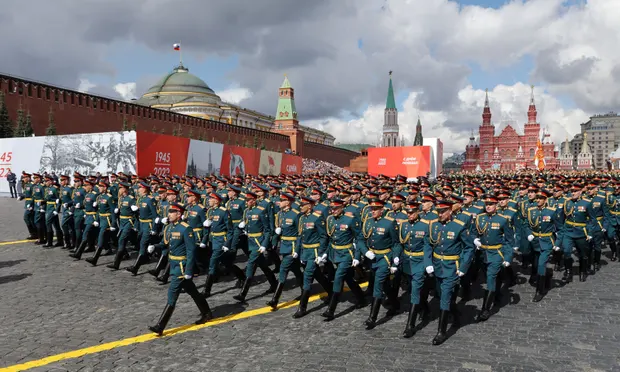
334	155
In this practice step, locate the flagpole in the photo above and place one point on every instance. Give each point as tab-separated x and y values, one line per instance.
180	53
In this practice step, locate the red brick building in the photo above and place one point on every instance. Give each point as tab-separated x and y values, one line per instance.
509	150
76	112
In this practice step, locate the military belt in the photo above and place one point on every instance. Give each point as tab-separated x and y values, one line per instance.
31	199
315	245
289	238
236	221
126	217
496	246
443	257
197	229
578	224
51	202
38	200
255	235
542	235
380	251
91	213
221	233
612	212
104	214
177	258
146	221
414	254
348	246
600	218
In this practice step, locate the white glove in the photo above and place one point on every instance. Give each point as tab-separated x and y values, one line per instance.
459	273
55	213
278	230
207	223
164	220
27	206
295	255
556	248
70	213
588	238
241	224
96	223
604	230
134	208
183	218
78	205
516	249
393	269
477	243
370	255
115	210
94	204
506	263
225	249
203	245
112	228
396	261
57	201
65	205
430	269
530	238
321	259
42	210
153	232
324	258
157	220
150	248
187	277
355	263
262	250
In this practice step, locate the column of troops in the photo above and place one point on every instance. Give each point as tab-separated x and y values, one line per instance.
426	238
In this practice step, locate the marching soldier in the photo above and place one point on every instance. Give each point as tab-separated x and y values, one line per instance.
147	214
601	227
126	222
52	205
66	199
179	241
90	213
106	220
38	194
77	207
171	198
26	196
196	215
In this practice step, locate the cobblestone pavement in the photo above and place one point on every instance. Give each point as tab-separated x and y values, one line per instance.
50	304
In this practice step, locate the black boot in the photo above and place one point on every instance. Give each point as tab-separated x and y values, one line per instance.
614	249
583	269
78	253
331	309
163	278
548	277
163	320
163	259
206	292
41	235
568	270
93	260
60	242
303	305
374	313
133	269
410	327
487	303
511	277
540	289
117	261
442	328
597	261
276	296
244	291
49	240
205	311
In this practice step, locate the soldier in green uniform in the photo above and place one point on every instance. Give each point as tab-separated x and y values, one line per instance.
344	233
601	227
262	201
381	245
147	209
106	220
52	210
126	222
162	220
312	240
38	194
257	227
77	207
179	241
196	215
287	234
90	213
451	244
236	208
26	196
67	224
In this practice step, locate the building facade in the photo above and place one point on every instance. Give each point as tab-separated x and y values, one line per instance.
390	137
603	132
510	150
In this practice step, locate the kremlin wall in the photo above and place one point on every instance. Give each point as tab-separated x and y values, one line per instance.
181	104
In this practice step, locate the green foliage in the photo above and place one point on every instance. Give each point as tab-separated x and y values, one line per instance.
6	127
29	131
125	124
51	127
134	125
20	127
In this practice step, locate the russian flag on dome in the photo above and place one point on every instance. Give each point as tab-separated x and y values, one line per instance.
176	46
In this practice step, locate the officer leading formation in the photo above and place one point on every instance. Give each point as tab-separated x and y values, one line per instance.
409	239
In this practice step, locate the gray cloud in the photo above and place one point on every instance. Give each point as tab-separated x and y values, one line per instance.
550	69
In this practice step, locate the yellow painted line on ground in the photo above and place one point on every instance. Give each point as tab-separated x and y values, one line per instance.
18	242
152	336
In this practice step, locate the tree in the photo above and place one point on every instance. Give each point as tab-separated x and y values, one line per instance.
163	131
28	132
262	145
228	140
180	131
201	136
174	131
125	127
51	127
20	127
191	133
255	144
134	125
6	128
154	129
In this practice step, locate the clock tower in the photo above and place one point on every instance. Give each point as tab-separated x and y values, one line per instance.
286	121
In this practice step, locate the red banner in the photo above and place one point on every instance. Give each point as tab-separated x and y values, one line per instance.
239	161
161	154
412	161
291	164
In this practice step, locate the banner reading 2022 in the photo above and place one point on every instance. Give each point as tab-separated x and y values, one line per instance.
161	155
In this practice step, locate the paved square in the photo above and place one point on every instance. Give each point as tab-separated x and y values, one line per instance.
51	305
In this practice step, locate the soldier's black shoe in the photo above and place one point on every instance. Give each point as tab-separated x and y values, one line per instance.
60	241
163	278
276	297
78	253
117	261
49	240
371	322
205	312
93	260
303	305
163	320
410	327
244	291
597	261
133	269
533	279
442	328
206	292
540	290
568	271
161	263
331	309
487	303
614	255
583	270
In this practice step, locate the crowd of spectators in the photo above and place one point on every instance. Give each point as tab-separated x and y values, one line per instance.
318	166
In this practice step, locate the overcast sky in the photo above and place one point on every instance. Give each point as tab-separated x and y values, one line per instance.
337	55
